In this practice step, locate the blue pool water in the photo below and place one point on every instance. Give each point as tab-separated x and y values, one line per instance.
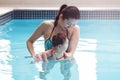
97	56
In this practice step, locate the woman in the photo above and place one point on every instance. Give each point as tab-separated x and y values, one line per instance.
65	23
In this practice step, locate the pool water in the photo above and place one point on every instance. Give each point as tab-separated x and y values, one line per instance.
96	57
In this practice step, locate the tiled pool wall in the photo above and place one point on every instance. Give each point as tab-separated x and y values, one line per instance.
50	14
5	17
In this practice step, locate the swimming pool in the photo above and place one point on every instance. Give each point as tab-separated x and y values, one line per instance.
96	57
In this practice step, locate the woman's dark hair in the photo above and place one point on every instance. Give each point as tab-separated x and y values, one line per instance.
58	39
69	12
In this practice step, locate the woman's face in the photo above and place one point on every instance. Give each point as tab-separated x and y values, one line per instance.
67	23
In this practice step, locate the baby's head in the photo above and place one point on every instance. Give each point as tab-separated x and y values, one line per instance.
60	42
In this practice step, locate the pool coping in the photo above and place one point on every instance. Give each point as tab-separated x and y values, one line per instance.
38	13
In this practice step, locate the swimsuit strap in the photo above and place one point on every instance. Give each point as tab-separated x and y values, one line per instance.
67	33
51	32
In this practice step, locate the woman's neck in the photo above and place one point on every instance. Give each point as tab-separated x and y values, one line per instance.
62	28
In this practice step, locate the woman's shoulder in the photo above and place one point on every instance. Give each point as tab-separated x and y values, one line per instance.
48	22
76	27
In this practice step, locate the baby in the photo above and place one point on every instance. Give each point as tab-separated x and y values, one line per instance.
60	45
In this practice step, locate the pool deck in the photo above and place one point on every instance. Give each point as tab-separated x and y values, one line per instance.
4	10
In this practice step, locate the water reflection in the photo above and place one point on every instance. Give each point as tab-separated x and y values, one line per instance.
86	59
58	70
5	57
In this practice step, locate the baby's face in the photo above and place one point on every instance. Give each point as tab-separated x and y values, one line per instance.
63	47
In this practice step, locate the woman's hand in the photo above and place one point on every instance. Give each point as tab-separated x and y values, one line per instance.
38	57
67	55
41	56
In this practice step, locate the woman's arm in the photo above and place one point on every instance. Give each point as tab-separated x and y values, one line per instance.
73	42
38	33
